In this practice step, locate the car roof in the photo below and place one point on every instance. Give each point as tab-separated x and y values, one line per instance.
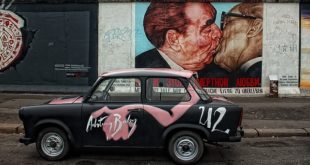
153	72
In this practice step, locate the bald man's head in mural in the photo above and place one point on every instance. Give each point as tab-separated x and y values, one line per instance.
185	36
241	44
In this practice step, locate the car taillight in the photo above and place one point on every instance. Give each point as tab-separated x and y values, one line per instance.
240	118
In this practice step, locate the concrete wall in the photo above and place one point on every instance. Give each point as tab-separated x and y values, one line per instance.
281	46
116	36
60	47
281	42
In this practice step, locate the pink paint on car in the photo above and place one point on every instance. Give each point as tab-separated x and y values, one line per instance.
116	125
67	100
181	73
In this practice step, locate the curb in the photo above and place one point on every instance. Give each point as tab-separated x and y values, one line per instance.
250	133
307	130
278	132
11	128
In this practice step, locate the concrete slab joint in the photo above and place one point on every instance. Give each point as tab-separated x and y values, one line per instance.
8	128
250	133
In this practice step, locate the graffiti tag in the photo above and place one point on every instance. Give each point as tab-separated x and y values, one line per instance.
113	127
10	38
116	126
220	110
118	34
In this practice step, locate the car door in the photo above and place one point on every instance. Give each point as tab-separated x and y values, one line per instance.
166	103
112	116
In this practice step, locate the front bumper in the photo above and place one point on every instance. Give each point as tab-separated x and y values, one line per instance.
237	138
25	140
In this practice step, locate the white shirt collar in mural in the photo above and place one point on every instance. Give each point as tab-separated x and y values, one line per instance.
250	63
171	63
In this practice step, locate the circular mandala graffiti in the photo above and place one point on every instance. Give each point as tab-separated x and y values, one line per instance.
11	40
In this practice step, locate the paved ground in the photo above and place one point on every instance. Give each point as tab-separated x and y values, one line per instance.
260	151
275	113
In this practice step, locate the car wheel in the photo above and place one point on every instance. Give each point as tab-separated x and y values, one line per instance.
52	143
186	147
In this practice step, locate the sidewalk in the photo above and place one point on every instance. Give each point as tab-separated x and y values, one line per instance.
262	116
275	117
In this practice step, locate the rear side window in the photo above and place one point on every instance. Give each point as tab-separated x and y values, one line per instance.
166	90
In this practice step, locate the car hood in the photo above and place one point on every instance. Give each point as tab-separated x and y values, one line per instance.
66	100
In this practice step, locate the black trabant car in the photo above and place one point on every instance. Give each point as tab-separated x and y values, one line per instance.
134	108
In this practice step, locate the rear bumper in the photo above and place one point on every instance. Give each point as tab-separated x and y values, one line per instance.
237	138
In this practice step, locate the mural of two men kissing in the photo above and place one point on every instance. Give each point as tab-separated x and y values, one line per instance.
221	42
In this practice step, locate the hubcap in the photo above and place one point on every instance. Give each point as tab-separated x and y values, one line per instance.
52	144
186	148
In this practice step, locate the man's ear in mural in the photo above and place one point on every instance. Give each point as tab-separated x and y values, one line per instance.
172	40
256	27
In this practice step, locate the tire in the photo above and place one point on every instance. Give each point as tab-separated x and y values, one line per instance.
52	144
186	147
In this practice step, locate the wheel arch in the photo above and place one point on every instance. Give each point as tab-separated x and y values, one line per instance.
202	131
53	123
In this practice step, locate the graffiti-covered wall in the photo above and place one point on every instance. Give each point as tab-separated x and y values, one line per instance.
115	50
45	44
233	47
205	38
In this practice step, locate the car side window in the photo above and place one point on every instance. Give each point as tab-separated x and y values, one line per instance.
118	90
166	90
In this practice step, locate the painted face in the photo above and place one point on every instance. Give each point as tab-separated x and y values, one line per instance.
202	37
234	41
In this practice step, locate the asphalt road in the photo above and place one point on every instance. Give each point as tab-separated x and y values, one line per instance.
271	151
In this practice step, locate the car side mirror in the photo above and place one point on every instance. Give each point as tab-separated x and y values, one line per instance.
86	98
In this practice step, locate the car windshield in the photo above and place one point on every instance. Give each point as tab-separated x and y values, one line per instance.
201	92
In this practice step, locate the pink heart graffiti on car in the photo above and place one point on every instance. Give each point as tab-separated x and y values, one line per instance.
118	125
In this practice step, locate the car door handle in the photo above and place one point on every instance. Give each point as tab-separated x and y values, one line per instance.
134	110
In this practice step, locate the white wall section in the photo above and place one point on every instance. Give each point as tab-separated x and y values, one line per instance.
115	36
281	45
